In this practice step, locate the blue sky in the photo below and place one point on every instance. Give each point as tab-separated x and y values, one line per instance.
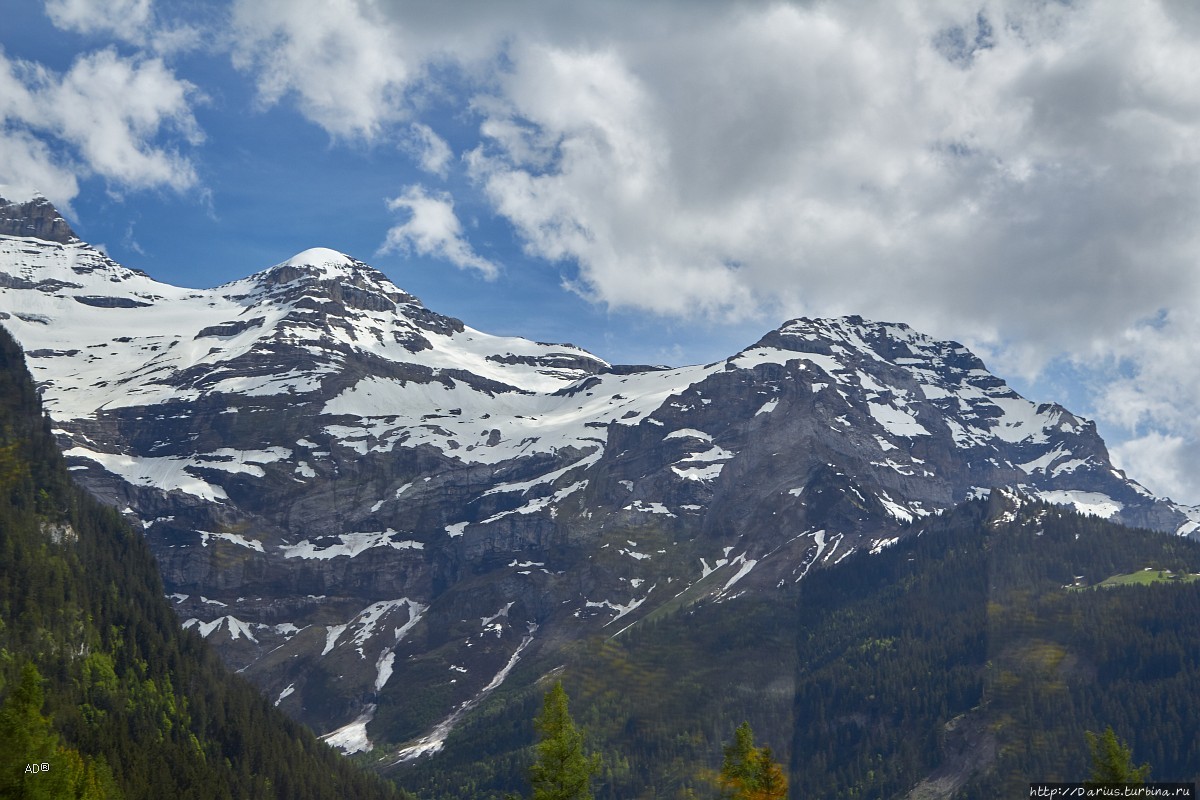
664	183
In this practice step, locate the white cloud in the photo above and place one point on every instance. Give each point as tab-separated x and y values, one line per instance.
133	21
1163	463
1011	172
111	108
1032	187
432	153
593	147
1150	390
340	59
129	242
433	229
106	116
28	167
126	19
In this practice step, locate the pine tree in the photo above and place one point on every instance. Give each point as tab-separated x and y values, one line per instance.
562	771
1112	760
749	772
738	769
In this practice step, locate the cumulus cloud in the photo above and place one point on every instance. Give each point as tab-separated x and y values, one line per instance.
126	19
572	133
1015	183
433	229
1164	463
1019	174
132	21
341	60
1150	389
105	116
29	168
111	108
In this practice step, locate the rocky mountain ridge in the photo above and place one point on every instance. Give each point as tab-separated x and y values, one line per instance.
375	511
35	217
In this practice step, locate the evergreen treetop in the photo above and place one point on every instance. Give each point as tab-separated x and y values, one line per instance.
562	771
1112	760
749	772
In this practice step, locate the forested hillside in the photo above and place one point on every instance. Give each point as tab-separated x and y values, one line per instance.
963	662
102	695
968	663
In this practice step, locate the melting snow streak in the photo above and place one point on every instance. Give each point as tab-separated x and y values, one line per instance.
433	741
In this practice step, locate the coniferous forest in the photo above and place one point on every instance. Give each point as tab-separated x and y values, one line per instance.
102	694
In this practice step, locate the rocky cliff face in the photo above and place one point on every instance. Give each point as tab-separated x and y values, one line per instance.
375	510
36	218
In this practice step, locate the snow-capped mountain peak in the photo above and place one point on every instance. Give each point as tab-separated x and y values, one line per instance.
321	257
338	480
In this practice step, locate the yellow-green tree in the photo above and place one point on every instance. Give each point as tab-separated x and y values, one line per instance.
33	764
749	772
1112	760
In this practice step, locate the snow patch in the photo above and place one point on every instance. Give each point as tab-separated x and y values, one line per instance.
705	473
893	508
896	421
350	544
236	627
352	738
237	539
767	407
1092	503
286	692
747	565
331	637
1020	420
165	473
878	545
383	668
622	609
648	508
487	622
688	433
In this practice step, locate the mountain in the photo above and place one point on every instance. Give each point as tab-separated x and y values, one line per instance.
377	513
102	694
